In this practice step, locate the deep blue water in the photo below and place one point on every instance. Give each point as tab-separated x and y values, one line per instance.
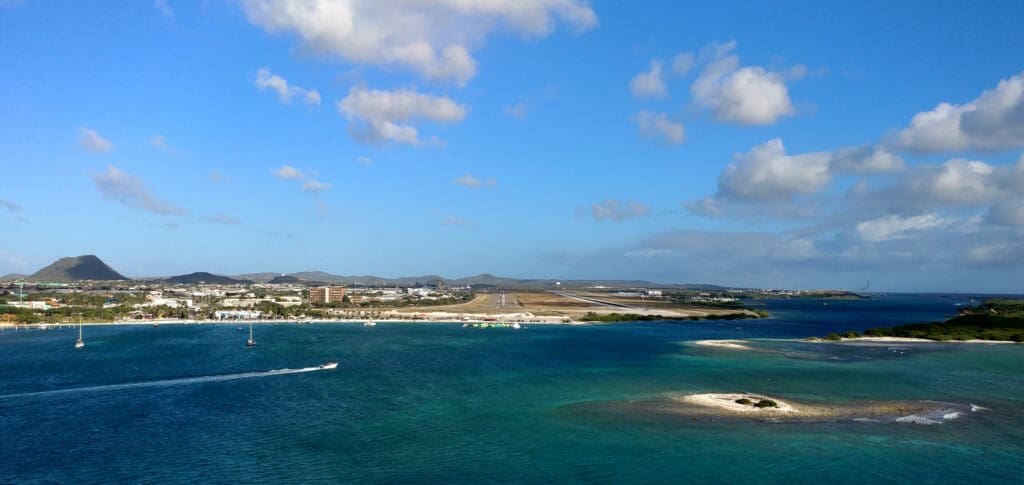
438	402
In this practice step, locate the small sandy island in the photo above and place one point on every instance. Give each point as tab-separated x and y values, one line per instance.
759	407
724	344
738	403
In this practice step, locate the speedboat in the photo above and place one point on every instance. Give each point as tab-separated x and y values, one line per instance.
327	366
369	323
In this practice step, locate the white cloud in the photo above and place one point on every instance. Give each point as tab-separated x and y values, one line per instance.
865	159
472	182
993	121
364	161
657	125
285	92
958	181
384	116
745	95
314	186
164	9
91	140
894	226
288	172
649	84
682	63
308	183
614	210
517	111
433	38
766	173
131	191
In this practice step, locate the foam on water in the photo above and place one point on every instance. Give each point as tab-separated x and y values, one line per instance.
162	383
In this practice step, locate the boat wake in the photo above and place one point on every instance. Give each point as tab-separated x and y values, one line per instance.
167	382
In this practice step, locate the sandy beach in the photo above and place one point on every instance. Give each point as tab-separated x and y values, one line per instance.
727	403
724	344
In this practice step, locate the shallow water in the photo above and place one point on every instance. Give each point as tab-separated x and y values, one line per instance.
431	402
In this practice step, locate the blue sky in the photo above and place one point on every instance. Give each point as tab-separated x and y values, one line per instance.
788	145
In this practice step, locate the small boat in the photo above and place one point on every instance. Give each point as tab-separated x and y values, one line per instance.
369	323
516	326
79	343
250	342
327	366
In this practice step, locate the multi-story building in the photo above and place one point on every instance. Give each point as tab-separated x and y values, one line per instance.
326	294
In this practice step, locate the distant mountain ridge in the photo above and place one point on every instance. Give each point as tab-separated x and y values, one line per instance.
90	267
81	268
204	277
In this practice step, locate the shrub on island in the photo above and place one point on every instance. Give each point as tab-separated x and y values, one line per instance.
766	403
744	401
833	337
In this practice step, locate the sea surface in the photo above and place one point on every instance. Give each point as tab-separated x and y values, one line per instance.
442	403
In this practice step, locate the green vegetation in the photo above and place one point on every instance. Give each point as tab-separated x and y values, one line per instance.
744	401
997	319
766	403
833	337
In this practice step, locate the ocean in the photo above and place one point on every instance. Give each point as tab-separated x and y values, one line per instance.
438	402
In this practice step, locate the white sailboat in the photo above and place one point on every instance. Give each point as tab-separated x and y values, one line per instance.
250	342
79	343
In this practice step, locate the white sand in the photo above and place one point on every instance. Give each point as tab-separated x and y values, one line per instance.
725	344
727	402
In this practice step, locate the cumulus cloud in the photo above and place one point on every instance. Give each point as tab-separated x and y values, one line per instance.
91	140
131	191
649	84
433	38
865	159
993	121
288	172
285	92
767	173
657	125
748	95
378	116
894	226
957	180
614	210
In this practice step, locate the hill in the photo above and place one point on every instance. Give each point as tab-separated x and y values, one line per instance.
81	268
204	277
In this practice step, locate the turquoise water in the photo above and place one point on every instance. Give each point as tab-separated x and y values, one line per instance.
433	402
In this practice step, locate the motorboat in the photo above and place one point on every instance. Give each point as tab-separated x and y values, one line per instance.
327	366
